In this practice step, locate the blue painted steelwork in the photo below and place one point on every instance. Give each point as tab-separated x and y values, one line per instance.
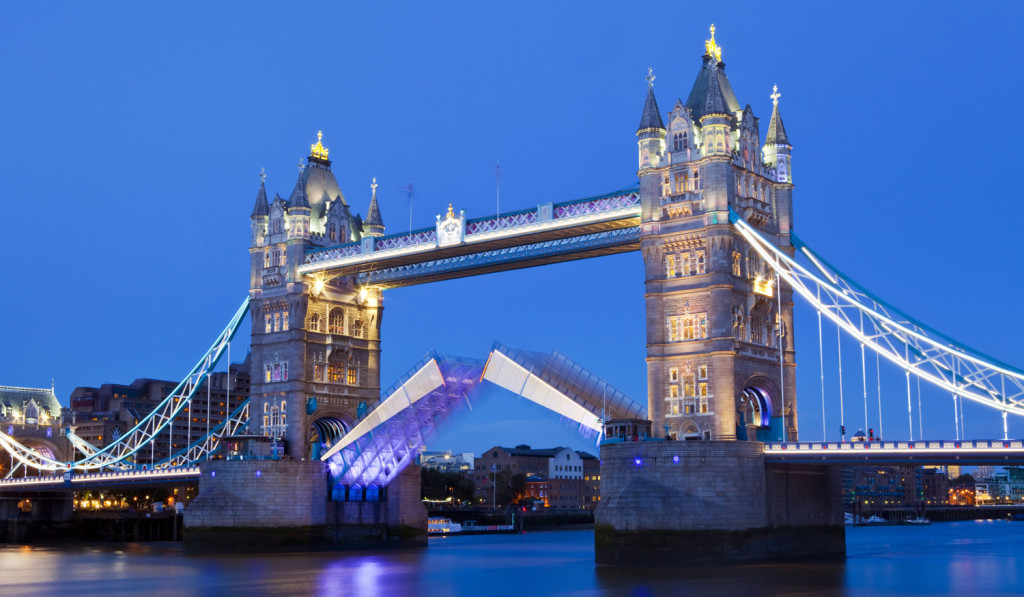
560	247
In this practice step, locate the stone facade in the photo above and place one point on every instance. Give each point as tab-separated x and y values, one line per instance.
715	324
283	505
316	339
693	503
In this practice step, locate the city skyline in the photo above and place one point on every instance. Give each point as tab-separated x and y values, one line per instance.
152	130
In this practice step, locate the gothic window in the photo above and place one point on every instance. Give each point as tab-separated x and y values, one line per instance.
702	372
675	142
685	141
267	328
277	322
688	328
675	407
357	328
674	333
276	225
673	391
336	322
314	322
268	373
696	180
670	266
686	264
334	373
680	182
700	262
702	327
318	372
673	375
284	321
266	259
353	376
736	263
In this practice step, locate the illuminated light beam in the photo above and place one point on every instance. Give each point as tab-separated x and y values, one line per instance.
943	360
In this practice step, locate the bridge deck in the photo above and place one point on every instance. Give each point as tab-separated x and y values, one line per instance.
550	233
969	452
76	482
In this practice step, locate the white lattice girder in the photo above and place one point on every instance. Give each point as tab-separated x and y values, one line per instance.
422	383
959	370
508	374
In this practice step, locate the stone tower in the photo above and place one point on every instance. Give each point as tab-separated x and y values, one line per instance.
715	328
315	340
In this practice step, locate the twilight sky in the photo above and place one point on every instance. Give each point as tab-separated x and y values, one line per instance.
133	136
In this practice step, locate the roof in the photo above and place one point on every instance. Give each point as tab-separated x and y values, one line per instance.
651	117
298	197
321	186
16	398
261	208
711	92
776	131
373	222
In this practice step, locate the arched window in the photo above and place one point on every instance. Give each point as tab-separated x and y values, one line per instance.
314	322
336	322
686	264
685	140
700	263
357	328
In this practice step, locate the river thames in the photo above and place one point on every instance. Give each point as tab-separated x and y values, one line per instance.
959	558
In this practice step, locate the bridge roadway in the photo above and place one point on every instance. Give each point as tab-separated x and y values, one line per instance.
76	482
552	232
963	452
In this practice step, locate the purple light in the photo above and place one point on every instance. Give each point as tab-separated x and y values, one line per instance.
638	461
213	473
259	473
675	459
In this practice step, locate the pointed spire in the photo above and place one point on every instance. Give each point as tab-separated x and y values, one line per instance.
714	101
298	197
651	117
776	131
373	225
261	209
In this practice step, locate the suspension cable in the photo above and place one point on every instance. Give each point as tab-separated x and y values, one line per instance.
864	374
821	371
878	383
842	415
910	410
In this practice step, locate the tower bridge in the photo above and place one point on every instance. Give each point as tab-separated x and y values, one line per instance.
712	217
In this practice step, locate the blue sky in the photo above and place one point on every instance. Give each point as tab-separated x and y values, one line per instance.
134	133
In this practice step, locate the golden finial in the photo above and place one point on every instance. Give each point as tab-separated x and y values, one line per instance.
451	212
318	150
713	49
775	95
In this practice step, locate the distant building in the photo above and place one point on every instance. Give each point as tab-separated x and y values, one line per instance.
559	477
894	486
446	462
104	414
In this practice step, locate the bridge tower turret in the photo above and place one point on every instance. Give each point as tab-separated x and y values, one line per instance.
715	325
315	340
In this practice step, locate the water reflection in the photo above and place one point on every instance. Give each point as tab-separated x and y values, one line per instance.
943	559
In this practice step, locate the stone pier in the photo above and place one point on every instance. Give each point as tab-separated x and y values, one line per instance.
284	505
672	503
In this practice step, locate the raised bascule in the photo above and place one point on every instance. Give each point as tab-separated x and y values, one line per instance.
711	468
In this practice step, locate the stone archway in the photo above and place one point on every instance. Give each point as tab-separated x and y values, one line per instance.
759	411
325	431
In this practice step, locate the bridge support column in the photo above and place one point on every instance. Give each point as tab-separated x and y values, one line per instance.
283	505
679	504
